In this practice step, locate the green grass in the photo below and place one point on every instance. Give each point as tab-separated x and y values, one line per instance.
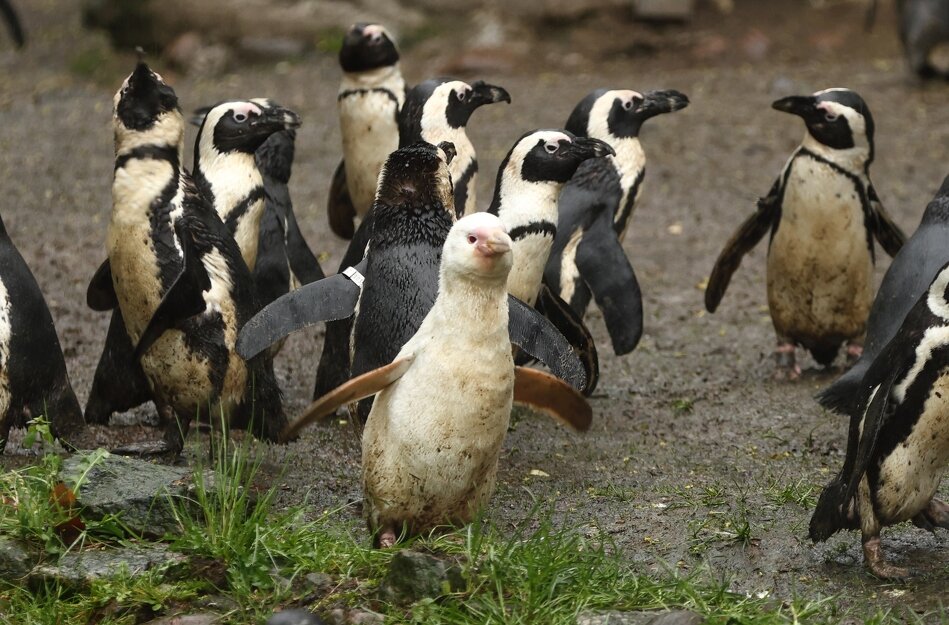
258	557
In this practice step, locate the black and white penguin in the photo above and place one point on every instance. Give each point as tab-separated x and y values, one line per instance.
370	96
225	164
438	110
395	285
587	260
178	276
13	23
429	467
924	29
33	378
823	214
906	279
898	446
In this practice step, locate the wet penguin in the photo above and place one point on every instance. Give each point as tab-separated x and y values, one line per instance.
178	276
370	96
225	164
386	294
823	214
33	378
587	260
13	23
906	279
438	110
898	445
437	466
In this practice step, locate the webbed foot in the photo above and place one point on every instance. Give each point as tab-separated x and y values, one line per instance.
853	353
875	560
936	514
786	367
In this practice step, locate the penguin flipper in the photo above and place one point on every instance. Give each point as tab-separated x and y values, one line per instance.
184	298
607	272
339	206
571	325
742	242
545	393
100	296
538	337
358	388
303	262
890	236
13	23
329	299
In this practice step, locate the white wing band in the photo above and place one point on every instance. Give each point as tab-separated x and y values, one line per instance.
355	276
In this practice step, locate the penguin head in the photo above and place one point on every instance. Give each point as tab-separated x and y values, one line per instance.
367	47
242	126
619	114
552	155
416	178
442	103
143	100
838	119
478	247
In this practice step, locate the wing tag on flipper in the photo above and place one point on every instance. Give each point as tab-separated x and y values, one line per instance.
100	295
329	299
183	300
538	337
545	393
358	388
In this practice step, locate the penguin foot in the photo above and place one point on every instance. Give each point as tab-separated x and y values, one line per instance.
853	353
387	537
875	560
935	515
786	367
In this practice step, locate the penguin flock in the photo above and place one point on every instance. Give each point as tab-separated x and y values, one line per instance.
440	305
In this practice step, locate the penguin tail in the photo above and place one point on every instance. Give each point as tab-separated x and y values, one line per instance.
829	516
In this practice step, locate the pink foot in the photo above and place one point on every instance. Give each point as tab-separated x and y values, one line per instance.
786	367
387	537
876	561
854	351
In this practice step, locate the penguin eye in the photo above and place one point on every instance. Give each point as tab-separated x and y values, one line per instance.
472	239
461	95
831	117
551	147
628	105
240	118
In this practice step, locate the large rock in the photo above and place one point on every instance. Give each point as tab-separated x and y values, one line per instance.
139	493
16	559
413	575
79	568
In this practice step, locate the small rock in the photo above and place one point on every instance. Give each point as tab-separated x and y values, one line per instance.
81	568
671	617
294	617
203	618
413	576
16	559
319	581
340	616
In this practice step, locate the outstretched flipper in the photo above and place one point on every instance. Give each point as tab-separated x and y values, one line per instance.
339	205
571	325
742	242
183	300
100	295
538	337
328	299
606	270
882	226
545	393
358	388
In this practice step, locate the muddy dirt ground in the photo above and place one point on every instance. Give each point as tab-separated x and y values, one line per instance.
696	459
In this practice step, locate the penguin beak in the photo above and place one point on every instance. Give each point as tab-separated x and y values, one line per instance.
492	242
801	105
483	93
660	102
143	78
586	148
276	119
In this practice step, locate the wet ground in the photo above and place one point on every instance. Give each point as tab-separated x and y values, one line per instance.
696	459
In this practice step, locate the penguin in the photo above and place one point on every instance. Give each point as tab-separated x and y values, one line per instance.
823	214
433	467
387	294
370	95
438	110
906	279
178	276
587	259
225	164
227	174
13	23
924	28
33	377
898	445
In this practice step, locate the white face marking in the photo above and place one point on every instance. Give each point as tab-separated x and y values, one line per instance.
569	272
852	159
598	122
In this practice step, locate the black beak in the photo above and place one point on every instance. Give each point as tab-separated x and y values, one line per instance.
587	148
143	79
801	105
449	149
660	102
483	93
276	119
